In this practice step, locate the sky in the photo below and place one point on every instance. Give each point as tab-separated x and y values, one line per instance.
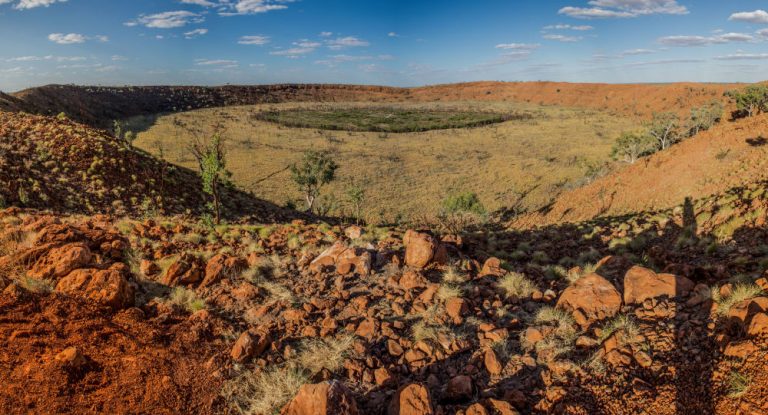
385	42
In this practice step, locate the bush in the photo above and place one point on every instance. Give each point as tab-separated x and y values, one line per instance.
317	168
461	211
750	101
705	117
629	147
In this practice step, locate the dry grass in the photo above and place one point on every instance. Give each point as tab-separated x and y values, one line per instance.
266	392
738	384
410	173
739	293
559	340
186	299
517	285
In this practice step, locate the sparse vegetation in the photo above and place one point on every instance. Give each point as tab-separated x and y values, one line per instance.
516	284
211	159
750	101
186	299
317	168
738	293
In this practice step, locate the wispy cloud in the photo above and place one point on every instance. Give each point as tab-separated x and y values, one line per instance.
346	42
562	38
518	46
195	33
72	38
167	20
742	56
221	63
31	4
254	40
683	41
602	9
580	28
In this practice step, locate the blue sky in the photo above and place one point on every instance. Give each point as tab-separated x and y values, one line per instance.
390	42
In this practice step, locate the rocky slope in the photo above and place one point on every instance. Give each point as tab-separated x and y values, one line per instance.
58	164
659	313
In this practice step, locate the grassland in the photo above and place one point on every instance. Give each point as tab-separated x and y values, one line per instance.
389	119
526	161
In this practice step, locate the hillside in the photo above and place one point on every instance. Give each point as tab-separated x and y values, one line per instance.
58	164
254	318
729	155
98	106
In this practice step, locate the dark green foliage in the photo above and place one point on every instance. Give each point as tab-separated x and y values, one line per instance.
630	147
466	202
317	168
212	161
384	119
750	101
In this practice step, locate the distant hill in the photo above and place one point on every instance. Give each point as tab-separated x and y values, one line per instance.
98	106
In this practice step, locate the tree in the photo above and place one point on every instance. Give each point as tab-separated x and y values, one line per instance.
317	168
211	159
705	117
356	196
751	100
629	147
664	128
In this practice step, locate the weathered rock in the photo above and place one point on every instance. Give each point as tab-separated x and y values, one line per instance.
591	298
60	261
476	409
497	407
421	249
222	266
250	344
744	310
456	308
187	270
412	279
107	287
149	268
642	283
346	260
72	358
492	363
412	399
758	325
459	388
492	267
326	398
353	232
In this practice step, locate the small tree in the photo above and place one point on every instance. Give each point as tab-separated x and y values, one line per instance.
212	161
317	168
705	117
751	100
356	196
629	147
664	128
460	211
117	130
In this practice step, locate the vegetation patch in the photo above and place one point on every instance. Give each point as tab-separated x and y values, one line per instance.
385	119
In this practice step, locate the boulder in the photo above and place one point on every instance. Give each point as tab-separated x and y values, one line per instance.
497	407
641	284
108	287
72	358
222	266
422	249
591	298
743	311
250	344
353	232
60	261
456	308
492	363
346	260
492	267
459	388
187	270
326	398
411	399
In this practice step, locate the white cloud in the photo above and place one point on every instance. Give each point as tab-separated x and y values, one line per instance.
221	63
665	62
580	28
47	58
601	9
683	41
326	34
393	34
31	4
346	42
167	20
757	16
518	46
254	40
635	52
292	52
562	38
66	39
195	33
743	56
241	7
72	38
204	3
119	58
